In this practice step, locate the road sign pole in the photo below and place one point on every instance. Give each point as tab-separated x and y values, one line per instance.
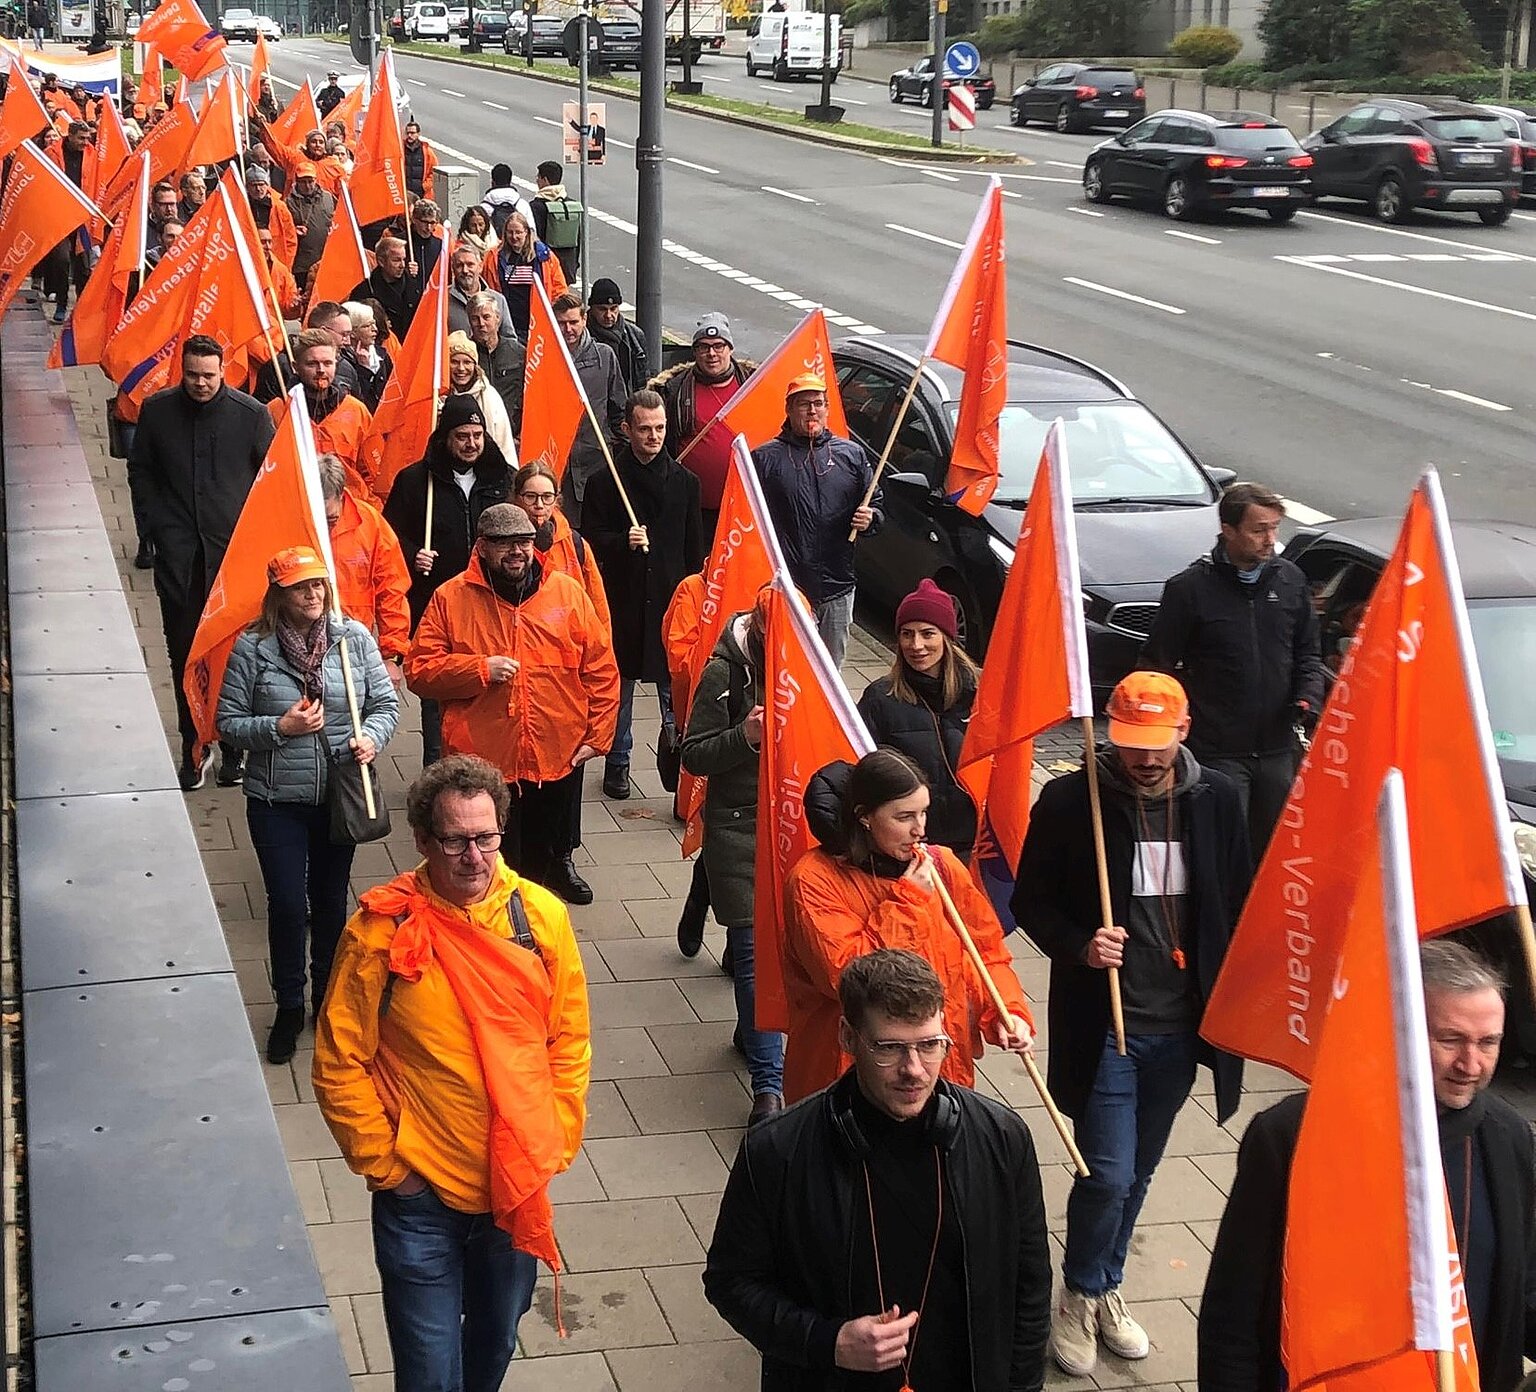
648	162
940	14
582	114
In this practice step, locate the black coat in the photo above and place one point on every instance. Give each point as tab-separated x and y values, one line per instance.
1245	653
932	740
399	298
453	516
778	1265
629	347
1240	1309
665	497
189	470
1056	902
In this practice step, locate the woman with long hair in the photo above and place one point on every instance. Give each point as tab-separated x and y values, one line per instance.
512	265
873	883
475	230
465	378
923	706
284	700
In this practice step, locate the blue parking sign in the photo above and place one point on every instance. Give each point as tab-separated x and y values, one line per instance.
962	60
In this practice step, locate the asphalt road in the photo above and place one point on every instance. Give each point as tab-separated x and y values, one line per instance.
1332	358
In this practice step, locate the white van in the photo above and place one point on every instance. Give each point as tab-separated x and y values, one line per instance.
428	21
792	43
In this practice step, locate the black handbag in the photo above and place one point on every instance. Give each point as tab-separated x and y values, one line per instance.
669	757
350	823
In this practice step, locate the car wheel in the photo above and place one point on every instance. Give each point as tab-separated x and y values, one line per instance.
1064	122
970	631
927	97
895	91
1016	116
1389	204
984	105
1176	200
1095	190
780	71
1494	217
1281	214
751	68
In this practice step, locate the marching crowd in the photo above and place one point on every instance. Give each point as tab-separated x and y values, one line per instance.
883	1226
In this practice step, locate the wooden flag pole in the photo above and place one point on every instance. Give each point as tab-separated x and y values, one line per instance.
1445	1370
612	467
357	719
969	943
890	441
426	542
1527	941
1106	909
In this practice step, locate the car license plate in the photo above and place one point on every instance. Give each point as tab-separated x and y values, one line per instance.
1117	113
1478	157
1272	191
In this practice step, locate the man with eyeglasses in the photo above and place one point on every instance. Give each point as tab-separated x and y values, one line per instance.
426	238
889	1230
523	669
452	1058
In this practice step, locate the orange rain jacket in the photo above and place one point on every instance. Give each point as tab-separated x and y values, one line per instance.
835	912
288	298
341	433
330	172
564	694
681	627
562	556
372	580
400	1083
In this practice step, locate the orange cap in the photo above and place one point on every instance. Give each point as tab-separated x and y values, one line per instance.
304	169
295	564
806	381
1146	711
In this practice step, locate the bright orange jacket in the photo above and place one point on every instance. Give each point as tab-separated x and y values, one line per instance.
836	912
552	274
401	1087
582	569
288	298
330	172
566	689
681	627
371	575
341	433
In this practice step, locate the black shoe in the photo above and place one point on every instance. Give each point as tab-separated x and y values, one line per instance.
193	769
283	1041
231	771
616	781
564	881
60	315
144	557
727	962
690	927
737	1043
764	1105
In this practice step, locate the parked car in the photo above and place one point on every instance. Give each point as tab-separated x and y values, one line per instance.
548	37
621	43
394	26
428	20
1145	506
1343	561
1519	124
490	26
458	20
269	28
792	43
1398	154
1080	96
1189	161
238	25
917	81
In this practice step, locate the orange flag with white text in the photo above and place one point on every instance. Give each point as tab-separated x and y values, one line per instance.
1409	696
240	207
220	129
298	118
22	114
344	261
166	145
351	109
378	172
181	32
554	401
809	721
284	508
39	208
744	558
1035	675
970	332
1372	1283
113	149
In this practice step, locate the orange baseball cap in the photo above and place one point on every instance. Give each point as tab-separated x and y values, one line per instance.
304	169
296	564
806	381
1146	711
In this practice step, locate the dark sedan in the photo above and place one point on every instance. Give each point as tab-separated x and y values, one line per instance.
916	82
1519	124
548	38
490	26
1080	96
1145	507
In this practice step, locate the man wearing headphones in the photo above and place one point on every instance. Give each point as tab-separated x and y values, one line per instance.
891	1225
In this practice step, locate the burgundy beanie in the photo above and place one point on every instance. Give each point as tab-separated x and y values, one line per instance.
931	605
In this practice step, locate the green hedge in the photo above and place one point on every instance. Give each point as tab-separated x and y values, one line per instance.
1478	85
1205	45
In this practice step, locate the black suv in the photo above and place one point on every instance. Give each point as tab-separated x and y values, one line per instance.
1398	154
1194	160
1080	96
1519	124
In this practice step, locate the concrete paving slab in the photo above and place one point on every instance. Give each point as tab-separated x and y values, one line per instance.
640	1167
616	1234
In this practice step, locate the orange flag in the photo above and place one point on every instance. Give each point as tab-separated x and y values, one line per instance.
343	260
180	31
350	109
970	332
166	145
407	411
240	206
1036	674
757	408
1409	696
745	557
152	79
554	401
101	302
1372	1283
220	129
261	65
284	508
298	118
39	208
378	173
112	148
21	114
810	721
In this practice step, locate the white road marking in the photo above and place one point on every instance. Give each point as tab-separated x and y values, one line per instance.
1524	217
1377	256
935	174
549	121
1009	193
416	82
1044	179
785	193
1122	294
497	105
1308	517
1191	236
689	164
449	92
1470	399
1411	289
1062	164
622	144
1085	212
1433	256
1399	232
925	236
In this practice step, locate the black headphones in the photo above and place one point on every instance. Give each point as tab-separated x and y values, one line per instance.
941	1126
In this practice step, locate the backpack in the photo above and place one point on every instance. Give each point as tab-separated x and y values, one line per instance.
499	214
562	224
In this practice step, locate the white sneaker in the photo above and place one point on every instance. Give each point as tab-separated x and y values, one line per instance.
1122	1336
1074	1333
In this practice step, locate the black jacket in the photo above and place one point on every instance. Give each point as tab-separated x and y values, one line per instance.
778	1265
1056	902
189	470
629	347
639	584
931	738
453	516
399	298
1245	653
327	98
1240	1310
812	506
504	369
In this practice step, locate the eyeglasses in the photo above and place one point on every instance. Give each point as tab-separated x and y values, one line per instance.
887	1053
504	542
538	499
485	843
809	404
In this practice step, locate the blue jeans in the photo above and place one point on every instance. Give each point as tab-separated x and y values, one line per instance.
834	617
764	1049
624	731
306	882
454	1291
431	732
1122	1133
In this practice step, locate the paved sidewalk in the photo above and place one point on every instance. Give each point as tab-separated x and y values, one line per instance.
668	1099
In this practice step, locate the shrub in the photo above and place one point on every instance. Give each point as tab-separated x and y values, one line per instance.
1252	77
1205	45
1000	34
1396	36
1294	32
